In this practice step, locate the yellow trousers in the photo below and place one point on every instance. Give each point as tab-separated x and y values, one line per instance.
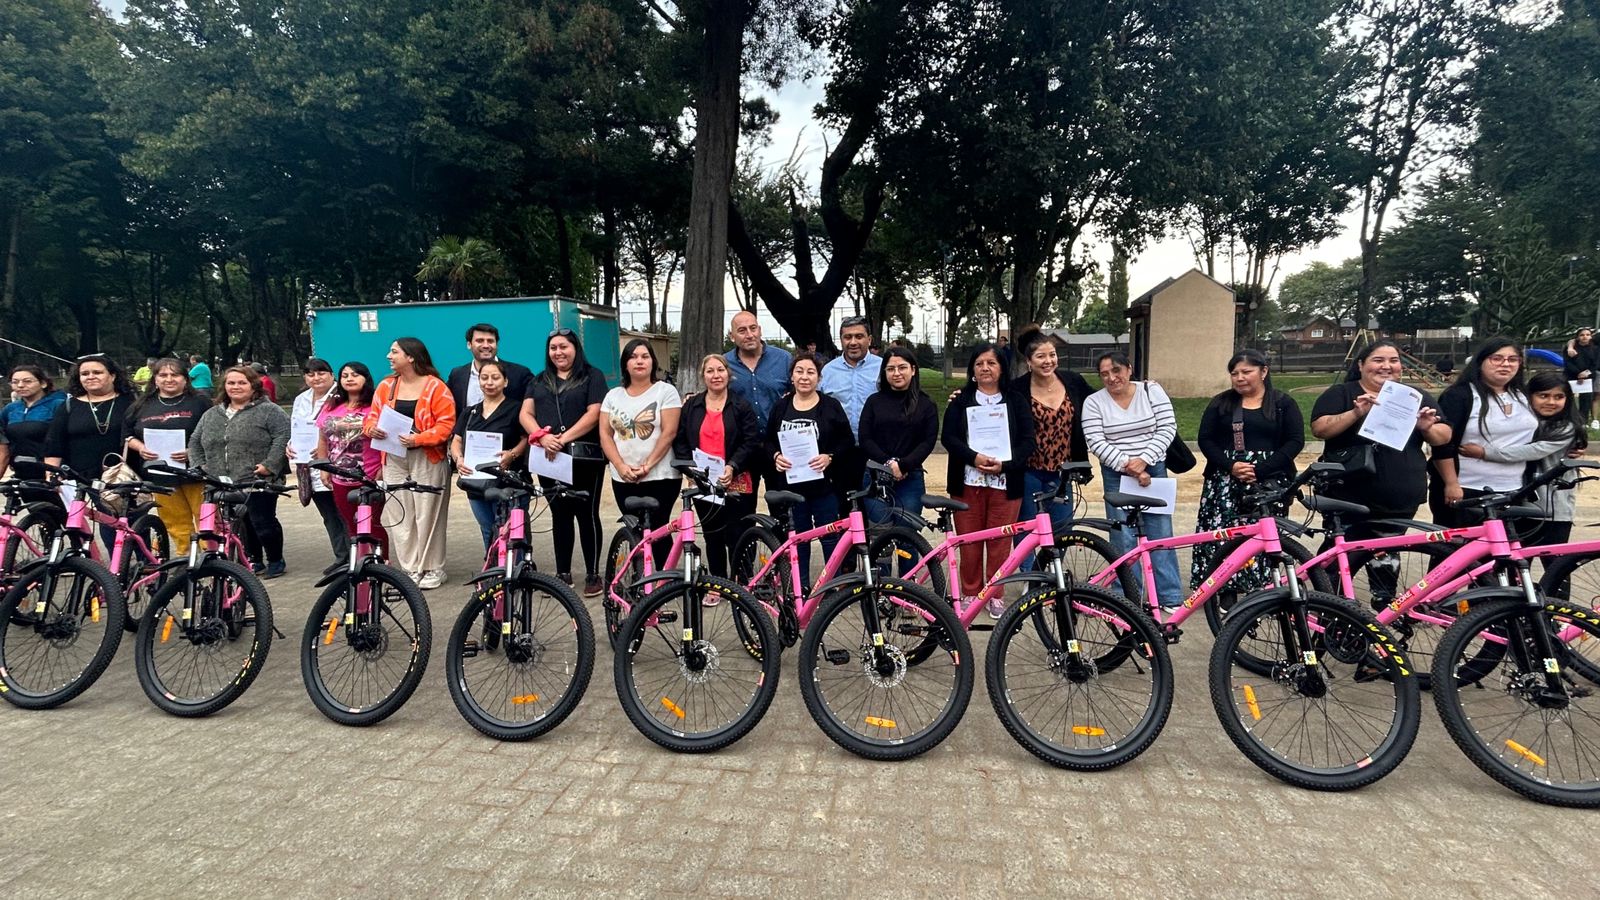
178	511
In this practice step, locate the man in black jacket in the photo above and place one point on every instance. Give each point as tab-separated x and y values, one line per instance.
483	341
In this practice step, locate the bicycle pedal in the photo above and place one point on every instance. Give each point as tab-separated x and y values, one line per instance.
469	649
837	657
666	617
1171	634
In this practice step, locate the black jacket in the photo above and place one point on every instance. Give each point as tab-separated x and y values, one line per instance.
1019	416
1585	359
743	438
887	433
1078	390
517	381
1216	439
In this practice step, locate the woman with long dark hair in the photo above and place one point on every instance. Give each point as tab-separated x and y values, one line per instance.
566	398
1559	435
1487	404
86	432
170	404
639	419
1248	433
341	440
415	390
25	421
1582	363
899	426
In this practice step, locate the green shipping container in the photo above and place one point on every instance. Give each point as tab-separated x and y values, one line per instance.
340	334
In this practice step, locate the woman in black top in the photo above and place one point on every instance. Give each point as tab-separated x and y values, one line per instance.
1583	362
823	417
25	421
86	433
898	427
566	398
1398	483
721	424
496	414
1248	433
170	404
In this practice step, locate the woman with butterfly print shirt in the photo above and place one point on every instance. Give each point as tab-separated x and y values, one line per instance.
640	419
824	418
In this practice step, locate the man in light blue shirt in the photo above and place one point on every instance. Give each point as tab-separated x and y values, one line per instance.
851	379
758	373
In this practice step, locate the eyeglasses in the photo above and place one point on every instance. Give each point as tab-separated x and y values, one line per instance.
563	332
1504	360
852	322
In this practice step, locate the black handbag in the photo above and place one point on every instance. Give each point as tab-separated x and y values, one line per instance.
1357	460
1180	458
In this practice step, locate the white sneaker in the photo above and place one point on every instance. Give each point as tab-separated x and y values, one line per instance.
997	606
1594	424
431	579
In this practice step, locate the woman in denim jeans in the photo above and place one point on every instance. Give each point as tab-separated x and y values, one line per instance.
898	427
1129	425
1055	397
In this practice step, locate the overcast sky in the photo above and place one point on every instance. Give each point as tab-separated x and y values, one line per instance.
1162	259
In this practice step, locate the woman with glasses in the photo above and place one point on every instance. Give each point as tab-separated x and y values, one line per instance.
566	398
25	421
1488	404
169	405
416	391
86	433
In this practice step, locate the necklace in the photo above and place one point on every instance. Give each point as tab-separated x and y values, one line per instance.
94	414
1506	405
173	402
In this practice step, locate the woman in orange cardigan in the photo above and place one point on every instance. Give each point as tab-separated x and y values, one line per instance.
415	390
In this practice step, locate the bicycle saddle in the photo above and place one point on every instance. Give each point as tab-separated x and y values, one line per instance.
640	504
783	499
1129	501
932	501
1330	505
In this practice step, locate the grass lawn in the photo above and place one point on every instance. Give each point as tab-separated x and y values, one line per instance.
1303	388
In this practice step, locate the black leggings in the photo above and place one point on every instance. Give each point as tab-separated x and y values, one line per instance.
333	524
720	526
263	533
665	492
587	475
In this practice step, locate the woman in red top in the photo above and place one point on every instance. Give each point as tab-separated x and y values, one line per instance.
415	390
721	424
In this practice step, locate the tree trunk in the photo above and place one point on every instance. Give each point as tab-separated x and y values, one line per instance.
716	144
13	260
564	252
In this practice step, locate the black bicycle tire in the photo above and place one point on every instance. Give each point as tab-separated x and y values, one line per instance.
33	515
252	593
767	653
623	540
115	611
154	533
1145	634
1377	648
1461	725
947	718
315	636
583	668
934	577
743	571
1073	536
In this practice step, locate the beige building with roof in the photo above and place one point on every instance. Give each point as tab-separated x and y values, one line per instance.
1181	333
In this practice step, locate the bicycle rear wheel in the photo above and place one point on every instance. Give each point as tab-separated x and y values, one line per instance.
59	628
895	549
1333	713
365	646
1489	684
1058	698
534	676
1085	554
862	689
134	566
776	589
622	544
39	521
700	692
204	638
1573	579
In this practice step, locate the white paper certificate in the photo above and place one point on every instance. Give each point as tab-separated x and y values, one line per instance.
394	425
799	448
714	465
1582	386
559	468
164	442
481	447
1393	418
303	440
988	431
1163	489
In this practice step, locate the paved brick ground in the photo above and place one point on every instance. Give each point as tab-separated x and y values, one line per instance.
109	797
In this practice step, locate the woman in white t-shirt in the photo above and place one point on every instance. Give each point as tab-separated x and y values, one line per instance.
638	419
1487	405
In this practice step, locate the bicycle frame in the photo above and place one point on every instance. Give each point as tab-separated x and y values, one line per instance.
682	530
1039	533
1261	536
10	532
854	529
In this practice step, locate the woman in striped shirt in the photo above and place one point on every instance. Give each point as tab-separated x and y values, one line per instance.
1129	424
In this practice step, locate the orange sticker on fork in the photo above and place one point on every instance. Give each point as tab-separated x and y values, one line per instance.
166	628
333	625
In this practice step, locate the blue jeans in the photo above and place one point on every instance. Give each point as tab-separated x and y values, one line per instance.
1035	481
906	494
1168	588
808	515
483	511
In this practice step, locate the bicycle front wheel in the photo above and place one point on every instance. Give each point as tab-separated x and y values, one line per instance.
1062	684
135	566
203	639
59	628
862	688
1333	711
366	645
1491	687
696	691
530	679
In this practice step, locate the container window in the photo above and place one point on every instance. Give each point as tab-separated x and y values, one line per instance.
369	320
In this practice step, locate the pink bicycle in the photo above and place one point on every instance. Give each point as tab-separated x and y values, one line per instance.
697	658
26	524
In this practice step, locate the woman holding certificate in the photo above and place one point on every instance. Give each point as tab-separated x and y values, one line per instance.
243	437
1129	425
722	426
565	398
806	430
489	431
411	420
158	428
988	432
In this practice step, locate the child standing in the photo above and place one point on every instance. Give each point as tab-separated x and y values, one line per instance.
1559	433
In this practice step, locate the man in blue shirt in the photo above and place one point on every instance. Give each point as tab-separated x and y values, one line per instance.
758	373
851	379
